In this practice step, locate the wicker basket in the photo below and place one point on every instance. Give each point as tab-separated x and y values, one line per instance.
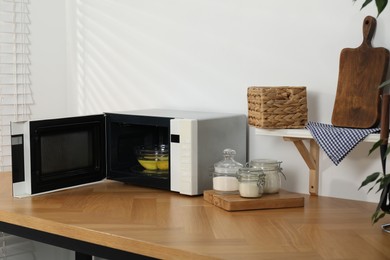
277	107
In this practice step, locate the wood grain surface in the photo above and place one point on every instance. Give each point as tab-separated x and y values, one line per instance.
167	225
361	71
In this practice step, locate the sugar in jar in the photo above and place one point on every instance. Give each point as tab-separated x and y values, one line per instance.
272	171
225	173
250	182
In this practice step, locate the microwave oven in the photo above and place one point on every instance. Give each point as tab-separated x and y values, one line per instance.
54	154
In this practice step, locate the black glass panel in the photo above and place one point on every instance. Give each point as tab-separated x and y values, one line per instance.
66	152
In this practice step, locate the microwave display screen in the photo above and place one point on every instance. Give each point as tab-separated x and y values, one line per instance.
66	152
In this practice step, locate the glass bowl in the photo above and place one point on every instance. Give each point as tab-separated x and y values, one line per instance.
153	157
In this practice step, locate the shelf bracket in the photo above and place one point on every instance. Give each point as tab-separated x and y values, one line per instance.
311	158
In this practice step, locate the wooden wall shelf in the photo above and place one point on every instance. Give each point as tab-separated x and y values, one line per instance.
309	154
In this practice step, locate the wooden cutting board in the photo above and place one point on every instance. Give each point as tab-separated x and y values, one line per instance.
361	71
234	202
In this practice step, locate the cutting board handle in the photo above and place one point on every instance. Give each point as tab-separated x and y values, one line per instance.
369	26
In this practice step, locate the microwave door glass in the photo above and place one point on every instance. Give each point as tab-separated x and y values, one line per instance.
66	152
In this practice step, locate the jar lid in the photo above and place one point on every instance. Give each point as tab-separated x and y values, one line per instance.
265	164
249	173
228	164
249	170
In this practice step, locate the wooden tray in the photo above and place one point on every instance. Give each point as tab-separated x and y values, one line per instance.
234	202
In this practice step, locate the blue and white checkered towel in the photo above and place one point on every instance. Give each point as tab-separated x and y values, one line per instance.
337	142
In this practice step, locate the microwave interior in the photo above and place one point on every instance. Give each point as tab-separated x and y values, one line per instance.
132	144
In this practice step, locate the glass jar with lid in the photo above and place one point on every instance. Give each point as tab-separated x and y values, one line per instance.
251	182
225	173
272	171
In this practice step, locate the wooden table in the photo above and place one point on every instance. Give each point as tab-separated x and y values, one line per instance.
118	221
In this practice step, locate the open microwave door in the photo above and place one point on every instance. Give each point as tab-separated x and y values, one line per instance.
55	154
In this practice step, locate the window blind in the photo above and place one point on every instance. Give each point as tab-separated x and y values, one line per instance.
15	86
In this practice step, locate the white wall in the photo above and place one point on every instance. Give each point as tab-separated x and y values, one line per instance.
48	57
202	55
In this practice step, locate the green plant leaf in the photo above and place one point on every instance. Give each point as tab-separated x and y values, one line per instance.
380	5
369	179
365	3
384	181
375	146
376	183
381	186
378	214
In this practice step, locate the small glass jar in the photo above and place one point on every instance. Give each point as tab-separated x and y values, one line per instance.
225	174
251	182
272	171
